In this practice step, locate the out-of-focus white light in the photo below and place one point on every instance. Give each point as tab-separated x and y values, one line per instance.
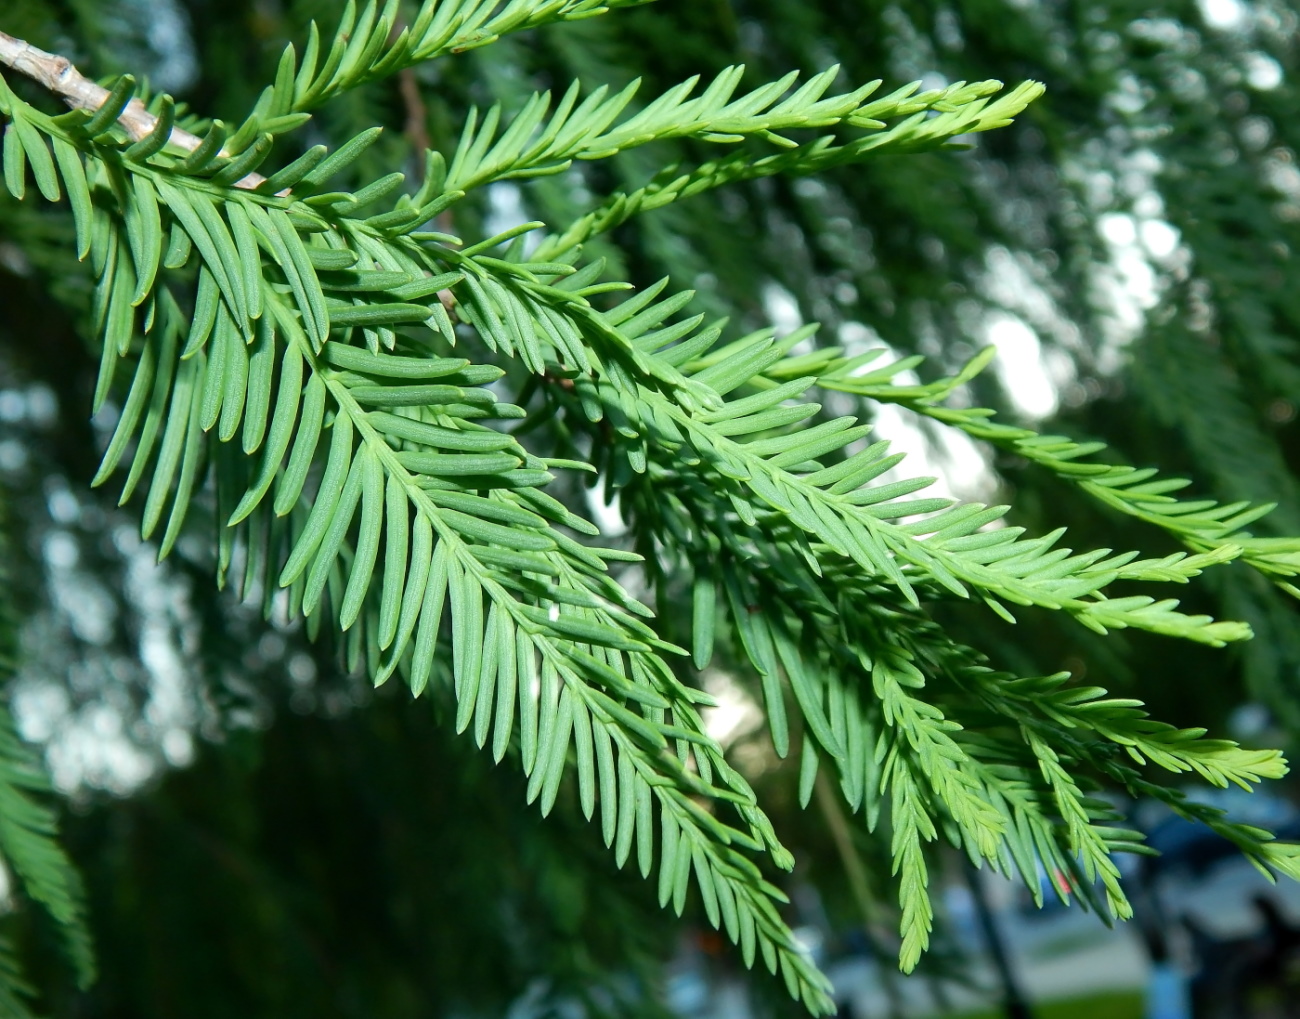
782	311
605	510
1158	237
1263	73
735	713
1118	228
1223	14
1021	367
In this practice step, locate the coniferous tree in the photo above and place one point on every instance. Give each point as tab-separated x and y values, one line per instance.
356	397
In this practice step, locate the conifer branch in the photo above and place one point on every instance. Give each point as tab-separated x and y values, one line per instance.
16	994
59	75
930	120
364	467
29	834
1203	525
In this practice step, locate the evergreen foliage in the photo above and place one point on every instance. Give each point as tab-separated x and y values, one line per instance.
375	408
29	846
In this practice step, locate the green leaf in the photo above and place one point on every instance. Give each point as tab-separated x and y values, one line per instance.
704	613
106	116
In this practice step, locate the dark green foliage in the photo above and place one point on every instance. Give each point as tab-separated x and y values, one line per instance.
28	839
30	848
314	896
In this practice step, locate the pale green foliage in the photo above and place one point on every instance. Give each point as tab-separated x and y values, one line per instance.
1202	524
299	351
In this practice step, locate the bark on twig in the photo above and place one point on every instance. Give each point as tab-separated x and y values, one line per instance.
416	127
58	75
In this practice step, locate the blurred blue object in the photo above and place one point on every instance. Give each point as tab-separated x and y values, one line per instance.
1167	994
1192	846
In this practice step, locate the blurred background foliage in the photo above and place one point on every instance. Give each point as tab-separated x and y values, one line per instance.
263	835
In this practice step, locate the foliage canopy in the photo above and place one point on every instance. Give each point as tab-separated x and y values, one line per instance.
383	407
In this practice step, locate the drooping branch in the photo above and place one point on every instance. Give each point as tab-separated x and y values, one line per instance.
59	75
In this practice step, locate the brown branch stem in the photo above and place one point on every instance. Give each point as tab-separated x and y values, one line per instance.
416	127
59	75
